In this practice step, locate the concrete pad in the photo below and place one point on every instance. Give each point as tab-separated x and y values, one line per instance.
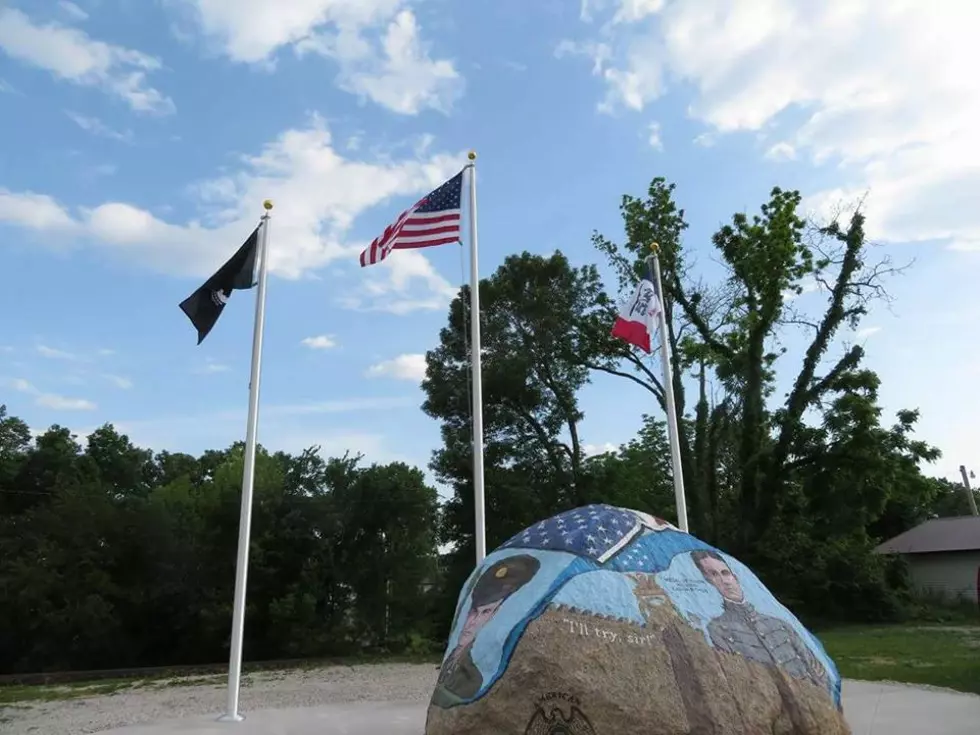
899	709
871	709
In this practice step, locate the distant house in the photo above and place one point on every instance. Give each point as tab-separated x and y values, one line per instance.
943	556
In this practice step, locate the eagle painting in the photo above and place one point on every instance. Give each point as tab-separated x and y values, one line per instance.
557	724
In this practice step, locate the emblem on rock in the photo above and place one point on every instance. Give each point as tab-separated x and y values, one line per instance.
549	717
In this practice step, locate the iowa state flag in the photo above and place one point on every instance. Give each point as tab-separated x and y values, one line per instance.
637	318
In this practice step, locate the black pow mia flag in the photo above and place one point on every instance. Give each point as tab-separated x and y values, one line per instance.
204	306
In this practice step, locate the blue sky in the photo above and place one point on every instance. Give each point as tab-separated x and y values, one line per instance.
140	139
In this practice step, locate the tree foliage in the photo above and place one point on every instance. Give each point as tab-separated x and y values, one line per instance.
111	556
787	459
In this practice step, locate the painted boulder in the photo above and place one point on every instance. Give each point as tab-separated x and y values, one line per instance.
606	621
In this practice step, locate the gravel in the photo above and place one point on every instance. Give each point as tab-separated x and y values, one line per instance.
167	699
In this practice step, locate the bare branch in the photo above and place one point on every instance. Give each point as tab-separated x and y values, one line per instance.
657	387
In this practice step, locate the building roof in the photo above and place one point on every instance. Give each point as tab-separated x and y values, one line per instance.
961	533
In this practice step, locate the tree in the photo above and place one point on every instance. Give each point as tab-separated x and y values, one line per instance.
113	557
531	309
757	468
638	474
387	548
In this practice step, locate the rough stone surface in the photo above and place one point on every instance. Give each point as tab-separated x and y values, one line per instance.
604	620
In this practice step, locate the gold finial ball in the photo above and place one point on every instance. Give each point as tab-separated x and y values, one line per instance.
471	155
267	205
655	247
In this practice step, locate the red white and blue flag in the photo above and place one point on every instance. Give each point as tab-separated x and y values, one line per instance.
432	220
637	319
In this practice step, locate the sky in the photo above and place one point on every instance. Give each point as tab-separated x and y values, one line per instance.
141	137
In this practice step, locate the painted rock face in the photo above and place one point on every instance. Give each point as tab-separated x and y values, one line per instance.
606	621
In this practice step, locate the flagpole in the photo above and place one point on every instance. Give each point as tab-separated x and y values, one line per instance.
248	479
672	428
480	532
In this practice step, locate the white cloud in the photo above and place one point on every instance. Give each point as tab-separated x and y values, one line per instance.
55	354
806	285
252	30
318	193
781	151
885	90
401	284
406	80
653	133
51	400
320	342
591	450
705	140
72	11
866	332
96	127
211	366
394	70
61	403
34	211
404	367
119	381
70	54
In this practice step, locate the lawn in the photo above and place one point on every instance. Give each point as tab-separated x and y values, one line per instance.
943	656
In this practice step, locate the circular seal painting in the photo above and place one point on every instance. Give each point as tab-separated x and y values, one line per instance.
603	621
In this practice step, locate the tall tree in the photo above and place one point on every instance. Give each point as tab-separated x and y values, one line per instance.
780	460
532	306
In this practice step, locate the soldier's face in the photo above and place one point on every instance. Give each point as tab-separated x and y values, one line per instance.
722	579
477	618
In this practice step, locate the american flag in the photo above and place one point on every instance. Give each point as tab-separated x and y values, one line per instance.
595	531
432	220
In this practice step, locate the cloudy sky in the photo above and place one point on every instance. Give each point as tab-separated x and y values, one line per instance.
140	138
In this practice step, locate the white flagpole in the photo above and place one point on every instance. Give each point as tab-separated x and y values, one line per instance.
480	533
248	479
672	428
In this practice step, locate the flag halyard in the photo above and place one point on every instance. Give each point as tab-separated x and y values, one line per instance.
637	318
204	306
431	221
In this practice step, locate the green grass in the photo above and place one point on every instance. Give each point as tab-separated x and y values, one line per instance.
942	656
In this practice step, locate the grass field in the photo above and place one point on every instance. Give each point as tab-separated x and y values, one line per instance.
942	656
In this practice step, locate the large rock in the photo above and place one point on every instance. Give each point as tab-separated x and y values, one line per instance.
606	621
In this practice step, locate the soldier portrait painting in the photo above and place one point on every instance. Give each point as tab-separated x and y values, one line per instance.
743	630
459	677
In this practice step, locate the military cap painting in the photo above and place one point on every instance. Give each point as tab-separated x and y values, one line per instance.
459	678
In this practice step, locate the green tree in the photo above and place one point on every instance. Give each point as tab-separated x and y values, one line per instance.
767	476
532	308
112	557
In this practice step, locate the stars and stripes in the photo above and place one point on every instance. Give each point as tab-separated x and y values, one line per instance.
653	551
433	220
597	532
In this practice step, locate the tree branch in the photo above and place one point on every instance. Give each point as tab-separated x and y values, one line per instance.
657	389
691	312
